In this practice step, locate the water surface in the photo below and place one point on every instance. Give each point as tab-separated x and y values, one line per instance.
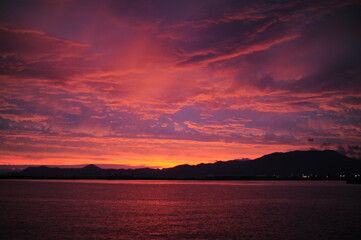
127	209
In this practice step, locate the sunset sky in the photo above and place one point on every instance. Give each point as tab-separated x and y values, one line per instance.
167	82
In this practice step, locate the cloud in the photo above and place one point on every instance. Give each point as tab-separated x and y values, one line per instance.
32	44
209	58
350	150
166	82
31	54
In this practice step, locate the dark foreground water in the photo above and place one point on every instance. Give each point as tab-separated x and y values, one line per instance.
179	210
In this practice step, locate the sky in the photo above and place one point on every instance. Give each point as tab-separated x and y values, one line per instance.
167	82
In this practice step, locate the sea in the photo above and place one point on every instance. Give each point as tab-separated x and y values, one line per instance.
160	209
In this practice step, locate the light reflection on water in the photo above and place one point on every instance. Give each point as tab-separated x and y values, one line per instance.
160	209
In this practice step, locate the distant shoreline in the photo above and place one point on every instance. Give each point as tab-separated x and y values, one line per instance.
200	179
347	181
296	165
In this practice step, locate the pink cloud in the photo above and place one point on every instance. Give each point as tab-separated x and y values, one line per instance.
34	45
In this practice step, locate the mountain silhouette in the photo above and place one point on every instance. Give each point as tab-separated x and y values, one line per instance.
295	164
91	167
290	164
